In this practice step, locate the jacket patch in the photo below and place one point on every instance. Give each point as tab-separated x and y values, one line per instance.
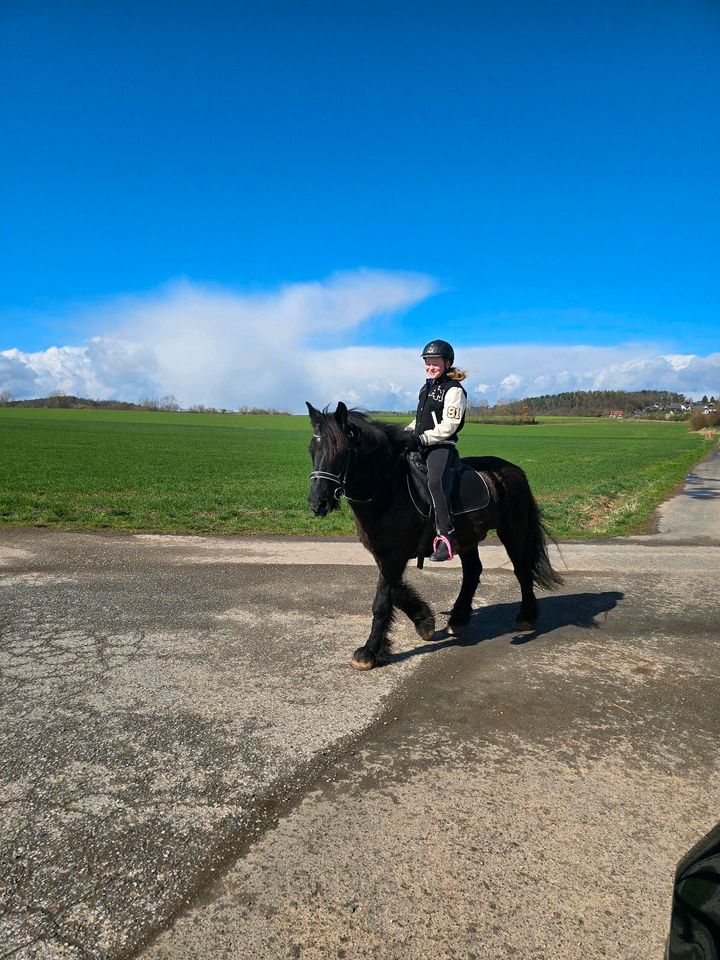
453	413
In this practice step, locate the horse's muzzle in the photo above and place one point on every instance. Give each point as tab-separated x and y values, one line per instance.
321	500
321	509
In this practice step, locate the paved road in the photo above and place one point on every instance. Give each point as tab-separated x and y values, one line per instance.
190	769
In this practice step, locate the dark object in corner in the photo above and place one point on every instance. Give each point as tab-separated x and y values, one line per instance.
695	920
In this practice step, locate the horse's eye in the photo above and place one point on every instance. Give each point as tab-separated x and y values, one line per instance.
316	436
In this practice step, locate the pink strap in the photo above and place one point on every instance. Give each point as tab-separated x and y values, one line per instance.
442	539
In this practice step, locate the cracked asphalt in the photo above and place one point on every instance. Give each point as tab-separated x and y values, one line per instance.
189	768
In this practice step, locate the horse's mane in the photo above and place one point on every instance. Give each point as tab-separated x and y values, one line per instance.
370	434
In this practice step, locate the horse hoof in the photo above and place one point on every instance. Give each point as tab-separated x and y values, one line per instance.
362	664
525	626
455	629
426	629
363	660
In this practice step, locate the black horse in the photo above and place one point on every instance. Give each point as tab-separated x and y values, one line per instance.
364	461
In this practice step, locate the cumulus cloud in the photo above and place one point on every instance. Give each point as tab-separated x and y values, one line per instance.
221	348
15	373
389	379
107	368
511	383
213	346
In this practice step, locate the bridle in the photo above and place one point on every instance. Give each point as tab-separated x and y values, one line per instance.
340	479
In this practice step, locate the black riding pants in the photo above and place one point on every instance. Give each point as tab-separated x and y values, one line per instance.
437	459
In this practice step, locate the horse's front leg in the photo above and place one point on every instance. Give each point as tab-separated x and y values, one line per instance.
377	648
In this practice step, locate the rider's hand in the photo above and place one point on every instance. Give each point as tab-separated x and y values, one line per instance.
413	442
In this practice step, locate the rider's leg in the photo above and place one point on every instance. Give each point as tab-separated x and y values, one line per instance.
437	461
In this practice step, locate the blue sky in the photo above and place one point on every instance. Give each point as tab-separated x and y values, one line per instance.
538	173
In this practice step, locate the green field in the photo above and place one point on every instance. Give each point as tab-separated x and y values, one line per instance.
202	473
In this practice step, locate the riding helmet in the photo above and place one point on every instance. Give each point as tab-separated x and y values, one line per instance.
439	348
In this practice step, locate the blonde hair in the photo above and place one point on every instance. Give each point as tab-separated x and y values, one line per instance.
456	374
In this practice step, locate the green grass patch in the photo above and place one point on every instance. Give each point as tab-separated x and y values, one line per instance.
207	473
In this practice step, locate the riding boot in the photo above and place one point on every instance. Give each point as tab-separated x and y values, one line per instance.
444	546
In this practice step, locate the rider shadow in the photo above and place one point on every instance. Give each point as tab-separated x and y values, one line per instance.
486	623
703	489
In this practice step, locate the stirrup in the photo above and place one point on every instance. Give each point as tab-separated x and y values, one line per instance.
437	542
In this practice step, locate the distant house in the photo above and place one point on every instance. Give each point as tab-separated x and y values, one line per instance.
617	414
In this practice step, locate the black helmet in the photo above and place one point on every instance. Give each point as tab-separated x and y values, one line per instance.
439	348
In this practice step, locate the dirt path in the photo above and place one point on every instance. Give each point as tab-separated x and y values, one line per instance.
184	746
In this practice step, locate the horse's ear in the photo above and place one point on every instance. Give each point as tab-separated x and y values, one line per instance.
315	415
341	415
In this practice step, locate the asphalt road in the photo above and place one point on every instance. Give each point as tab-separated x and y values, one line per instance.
190	768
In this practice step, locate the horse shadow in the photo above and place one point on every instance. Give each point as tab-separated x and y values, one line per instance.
486	623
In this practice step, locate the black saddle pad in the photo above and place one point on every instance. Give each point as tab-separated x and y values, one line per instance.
466	488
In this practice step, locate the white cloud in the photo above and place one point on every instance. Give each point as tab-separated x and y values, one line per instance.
107	368
15	374
221	348
213	346
390	379
511	383
679	361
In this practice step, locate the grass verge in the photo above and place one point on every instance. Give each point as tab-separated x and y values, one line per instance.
189	473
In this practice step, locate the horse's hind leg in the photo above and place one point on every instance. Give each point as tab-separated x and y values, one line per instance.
407	600
514	540
462	608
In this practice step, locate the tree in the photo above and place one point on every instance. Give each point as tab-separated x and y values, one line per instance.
478	410
5	398
527	416
58	398
169	403
513	407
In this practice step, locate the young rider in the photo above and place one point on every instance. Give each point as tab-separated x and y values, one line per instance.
440	417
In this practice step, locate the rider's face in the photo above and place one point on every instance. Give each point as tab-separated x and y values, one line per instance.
434	367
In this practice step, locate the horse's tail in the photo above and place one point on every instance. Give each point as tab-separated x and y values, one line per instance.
538	535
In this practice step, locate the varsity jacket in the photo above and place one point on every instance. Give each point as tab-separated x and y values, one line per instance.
441	411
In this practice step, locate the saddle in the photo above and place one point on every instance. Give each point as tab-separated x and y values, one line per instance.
466	489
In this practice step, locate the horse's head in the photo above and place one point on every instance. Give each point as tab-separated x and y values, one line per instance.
330	449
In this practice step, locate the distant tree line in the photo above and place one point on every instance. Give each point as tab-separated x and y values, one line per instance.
166	404
507	410
66	401
659	404
598	403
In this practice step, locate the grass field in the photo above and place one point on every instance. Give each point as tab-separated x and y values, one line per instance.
128	470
